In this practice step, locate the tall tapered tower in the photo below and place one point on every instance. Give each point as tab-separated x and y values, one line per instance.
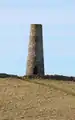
35	59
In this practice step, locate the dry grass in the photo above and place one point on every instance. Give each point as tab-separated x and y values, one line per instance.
36	100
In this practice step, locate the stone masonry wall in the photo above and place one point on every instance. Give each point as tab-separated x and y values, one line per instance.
35	51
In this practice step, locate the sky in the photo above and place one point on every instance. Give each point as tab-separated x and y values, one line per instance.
58	20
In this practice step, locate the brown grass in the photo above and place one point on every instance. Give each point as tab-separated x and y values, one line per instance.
36	99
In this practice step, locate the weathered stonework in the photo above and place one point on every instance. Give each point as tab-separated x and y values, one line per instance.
35	59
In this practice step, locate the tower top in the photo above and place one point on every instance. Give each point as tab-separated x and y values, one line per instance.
37	24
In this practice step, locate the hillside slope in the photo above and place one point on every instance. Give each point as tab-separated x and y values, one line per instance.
36	99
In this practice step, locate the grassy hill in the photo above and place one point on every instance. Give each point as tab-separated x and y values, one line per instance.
36	99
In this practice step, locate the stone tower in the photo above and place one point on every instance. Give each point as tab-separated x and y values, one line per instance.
35	59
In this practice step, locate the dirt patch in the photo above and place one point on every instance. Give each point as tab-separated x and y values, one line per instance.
24	100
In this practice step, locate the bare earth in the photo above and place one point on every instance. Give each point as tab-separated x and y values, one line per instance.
36	100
